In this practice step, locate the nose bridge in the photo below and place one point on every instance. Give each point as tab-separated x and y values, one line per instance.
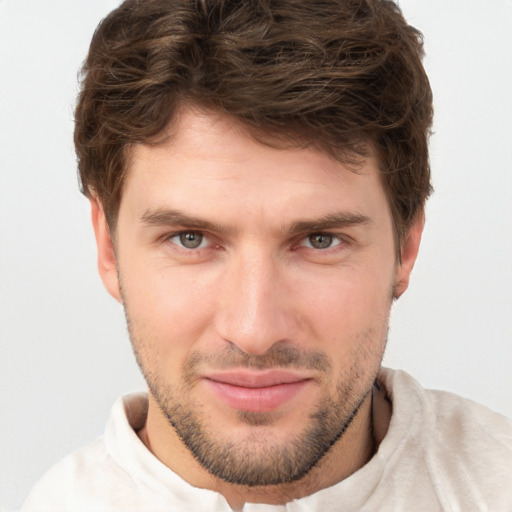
253	311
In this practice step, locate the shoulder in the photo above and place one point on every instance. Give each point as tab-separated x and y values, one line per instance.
470	449
482	438
463	419
466	448
92	477
450	415
72	481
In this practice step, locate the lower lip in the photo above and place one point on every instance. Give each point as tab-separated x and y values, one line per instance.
257	399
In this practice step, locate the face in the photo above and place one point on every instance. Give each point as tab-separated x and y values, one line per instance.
257	284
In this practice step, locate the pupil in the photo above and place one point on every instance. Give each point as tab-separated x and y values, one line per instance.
320	241
191	240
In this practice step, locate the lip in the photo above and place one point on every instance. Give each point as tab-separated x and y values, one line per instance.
261	391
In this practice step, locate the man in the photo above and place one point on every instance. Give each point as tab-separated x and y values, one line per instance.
257	173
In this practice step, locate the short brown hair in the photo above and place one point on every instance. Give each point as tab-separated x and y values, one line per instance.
342	75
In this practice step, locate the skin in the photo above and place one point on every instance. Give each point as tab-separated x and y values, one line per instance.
257	295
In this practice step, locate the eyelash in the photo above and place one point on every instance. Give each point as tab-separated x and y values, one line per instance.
335	238
169	239
302	241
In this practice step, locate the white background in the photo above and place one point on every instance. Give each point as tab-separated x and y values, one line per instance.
64	352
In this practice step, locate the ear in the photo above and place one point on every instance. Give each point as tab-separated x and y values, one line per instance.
409	252
106	255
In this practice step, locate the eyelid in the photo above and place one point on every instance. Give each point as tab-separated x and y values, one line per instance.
203	243
336	238
343	242
168	236
212	241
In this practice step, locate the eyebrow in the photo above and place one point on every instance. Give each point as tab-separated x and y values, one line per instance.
336	220
171	217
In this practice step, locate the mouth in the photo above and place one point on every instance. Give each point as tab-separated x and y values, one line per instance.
261	391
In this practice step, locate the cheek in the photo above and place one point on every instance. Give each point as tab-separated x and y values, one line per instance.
348	304
167	307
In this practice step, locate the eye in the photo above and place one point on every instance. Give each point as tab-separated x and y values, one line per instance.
189	240
321	241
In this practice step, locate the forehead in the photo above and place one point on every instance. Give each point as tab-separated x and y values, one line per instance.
209	160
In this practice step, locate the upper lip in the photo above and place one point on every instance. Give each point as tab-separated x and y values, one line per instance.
257	378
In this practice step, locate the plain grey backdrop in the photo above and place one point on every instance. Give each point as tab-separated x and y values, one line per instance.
64	352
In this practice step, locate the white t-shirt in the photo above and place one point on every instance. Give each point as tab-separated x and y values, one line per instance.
441	453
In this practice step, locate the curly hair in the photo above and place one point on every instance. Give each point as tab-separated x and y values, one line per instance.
341	75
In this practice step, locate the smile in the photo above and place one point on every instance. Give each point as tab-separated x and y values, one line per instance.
257	392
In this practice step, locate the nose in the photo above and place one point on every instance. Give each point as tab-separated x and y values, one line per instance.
254	305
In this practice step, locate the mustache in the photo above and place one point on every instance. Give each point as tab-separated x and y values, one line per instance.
278	356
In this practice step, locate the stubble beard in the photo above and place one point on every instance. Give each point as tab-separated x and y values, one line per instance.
259	460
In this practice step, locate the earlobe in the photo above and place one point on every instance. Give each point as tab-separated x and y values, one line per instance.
107	265
409	252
